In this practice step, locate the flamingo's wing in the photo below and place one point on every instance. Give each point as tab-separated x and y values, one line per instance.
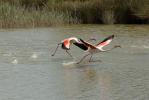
88	44
81	45
105	42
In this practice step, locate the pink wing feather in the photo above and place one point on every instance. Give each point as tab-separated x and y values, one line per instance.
105	42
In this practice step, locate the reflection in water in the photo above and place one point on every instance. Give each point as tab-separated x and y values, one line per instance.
104	82
88	82
79	82
85	83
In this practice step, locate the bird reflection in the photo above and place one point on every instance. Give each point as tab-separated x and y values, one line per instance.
79	80
87	82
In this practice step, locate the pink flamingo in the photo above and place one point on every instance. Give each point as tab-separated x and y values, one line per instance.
92	49
66	43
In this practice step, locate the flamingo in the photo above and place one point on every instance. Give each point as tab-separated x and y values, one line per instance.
93	49
65	44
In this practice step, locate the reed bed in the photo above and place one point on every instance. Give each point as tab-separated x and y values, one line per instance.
41	13
19	17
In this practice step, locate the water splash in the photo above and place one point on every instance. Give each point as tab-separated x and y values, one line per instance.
15	61
34	56
70	64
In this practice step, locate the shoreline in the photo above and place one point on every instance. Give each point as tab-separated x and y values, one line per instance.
77	25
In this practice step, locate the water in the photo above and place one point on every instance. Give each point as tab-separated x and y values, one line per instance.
28	72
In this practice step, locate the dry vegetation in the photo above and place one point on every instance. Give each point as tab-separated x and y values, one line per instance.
38	13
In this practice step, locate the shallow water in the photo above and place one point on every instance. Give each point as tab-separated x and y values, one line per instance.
28	72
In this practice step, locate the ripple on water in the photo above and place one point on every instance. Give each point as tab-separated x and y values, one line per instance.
140	46
27	69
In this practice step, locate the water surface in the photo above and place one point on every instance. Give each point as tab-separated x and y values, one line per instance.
28	72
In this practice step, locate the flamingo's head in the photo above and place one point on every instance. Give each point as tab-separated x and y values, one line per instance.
66	47
66	44
117	46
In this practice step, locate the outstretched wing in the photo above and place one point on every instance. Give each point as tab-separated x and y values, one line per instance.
105	42
81	45
88	44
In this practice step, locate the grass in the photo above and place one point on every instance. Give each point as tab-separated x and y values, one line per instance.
17	16
40	13
105	11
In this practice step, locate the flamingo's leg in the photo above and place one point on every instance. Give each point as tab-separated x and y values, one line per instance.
83	58
69	53
55	49
90	60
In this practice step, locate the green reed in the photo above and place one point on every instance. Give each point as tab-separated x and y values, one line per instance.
38	13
